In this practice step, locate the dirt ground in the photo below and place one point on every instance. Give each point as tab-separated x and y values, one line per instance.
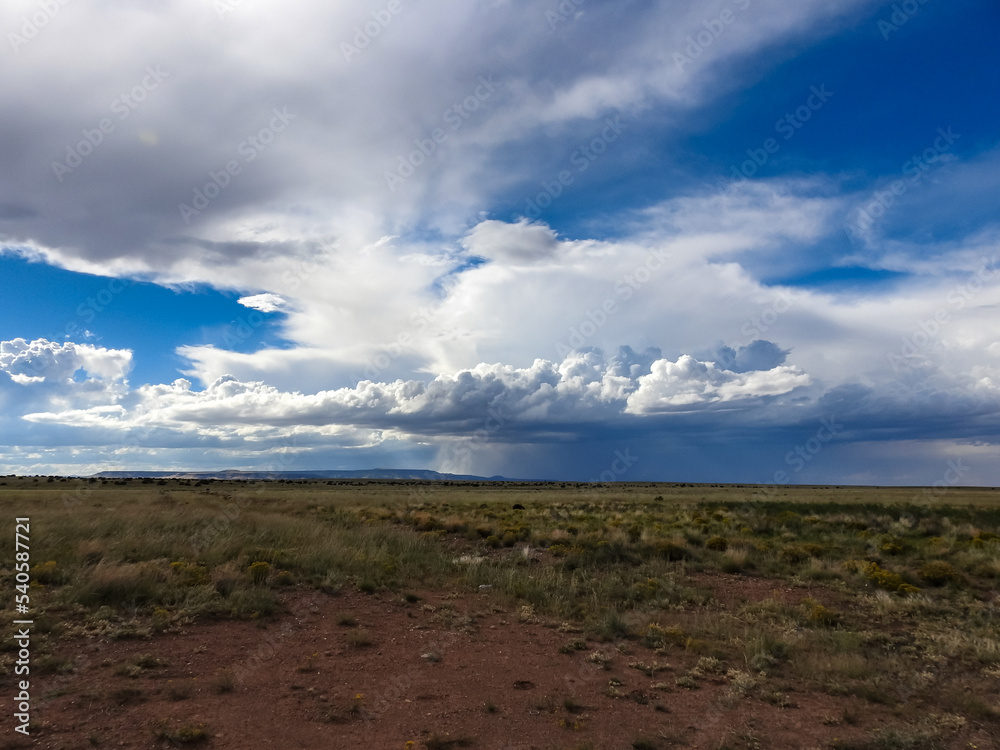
358	670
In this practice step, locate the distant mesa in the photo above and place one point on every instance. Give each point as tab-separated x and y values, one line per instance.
397	474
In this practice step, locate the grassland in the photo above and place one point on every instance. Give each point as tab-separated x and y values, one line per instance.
895	589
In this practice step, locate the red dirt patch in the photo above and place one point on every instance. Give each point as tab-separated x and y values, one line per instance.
447	667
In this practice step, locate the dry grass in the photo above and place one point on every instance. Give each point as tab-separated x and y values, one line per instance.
913	614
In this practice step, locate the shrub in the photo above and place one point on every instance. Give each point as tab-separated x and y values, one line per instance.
252	602
189	573
259	571
820	615
717	544
881	577
226	578
611	627
938	573
671	551
125	585
47	573
797	553
183	734
657	636
891	547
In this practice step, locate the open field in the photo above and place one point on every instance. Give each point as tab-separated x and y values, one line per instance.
377	614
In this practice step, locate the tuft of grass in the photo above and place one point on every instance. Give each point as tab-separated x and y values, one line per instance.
360	638
138	665
445	742
181	734
121	585
893	738
577	644
127	695
225	681
611	627
178	692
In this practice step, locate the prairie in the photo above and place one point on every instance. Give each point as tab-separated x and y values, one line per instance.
655	615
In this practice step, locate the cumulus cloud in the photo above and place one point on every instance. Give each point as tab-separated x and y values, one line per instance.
43	375
386	249
265	303
757	355
48	361
207	100
688	382
517	244
585	387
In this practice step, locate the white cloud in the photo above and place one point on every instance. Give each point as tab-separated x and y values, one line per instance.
265	303
513	244
688	383
43	361
377	284
545	398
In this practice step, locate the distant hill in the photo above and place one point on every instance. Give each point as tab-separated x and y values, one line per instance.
425	474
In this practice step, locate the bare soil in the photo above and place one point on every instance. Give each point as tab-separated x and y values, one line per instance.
358	670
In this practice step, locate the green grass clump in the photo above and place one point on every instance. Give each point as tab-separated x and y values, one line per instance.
938	573
259	571
183	734
717	544
881	577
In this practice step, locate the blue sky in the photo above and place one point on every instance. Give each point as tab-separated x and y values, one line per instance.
731	240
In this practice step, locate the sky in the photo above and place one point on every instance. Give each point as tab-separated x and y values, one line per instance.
632	240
